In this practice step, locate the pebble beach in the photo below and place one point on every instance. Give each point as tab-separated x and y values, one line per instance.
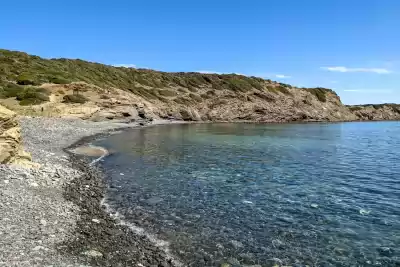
53	215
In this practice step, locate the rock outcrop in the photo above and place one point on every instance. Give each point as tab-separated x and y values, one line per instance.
376	112
11	151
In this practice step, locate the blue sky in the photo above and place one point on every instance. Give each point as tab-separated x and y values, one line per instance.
352	46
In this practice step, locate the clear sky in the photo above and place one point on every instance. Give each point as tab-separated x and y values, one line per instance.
352	46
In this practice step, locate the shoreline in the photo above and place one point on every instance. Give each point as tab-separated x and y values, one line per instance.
51	216
101	231
71	225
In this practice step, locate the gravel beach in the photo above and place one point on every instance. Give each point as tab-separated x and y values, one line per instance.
52	216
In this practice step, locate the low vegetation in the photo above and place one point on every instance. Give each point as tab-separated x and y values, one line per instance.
26	95
395	107
26	70
319	92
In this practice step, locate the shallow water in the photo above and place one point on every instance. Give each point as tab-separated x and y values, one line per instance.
291	194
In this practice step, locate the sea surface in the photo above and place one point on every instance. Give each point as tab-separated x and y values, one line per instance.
267	194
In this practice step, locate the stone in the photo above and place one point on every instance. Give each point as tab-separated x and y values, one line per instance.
96	220
43	222
364	212
92	253
314	205
91	151
233	261
385	251
236	244
190	115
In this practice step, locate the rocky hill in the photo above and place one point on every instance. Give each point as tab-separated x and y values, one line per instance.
67	87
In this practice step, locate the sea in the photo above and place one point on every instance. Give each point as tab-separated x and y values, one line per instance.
247	194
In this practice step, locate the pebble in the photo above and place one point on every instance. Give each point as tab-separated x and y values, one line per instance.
95	220
236	244
233	261
92	253
38	248
314	206
21	203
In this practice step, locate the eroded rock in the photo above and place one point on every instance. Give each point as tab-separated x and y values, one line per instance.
11	151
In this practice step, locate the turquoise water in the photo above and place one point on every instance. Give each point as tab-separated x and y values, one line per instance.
290	194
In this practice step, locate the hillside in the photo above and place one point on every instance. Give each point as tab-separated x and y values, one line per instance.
376	112
68	87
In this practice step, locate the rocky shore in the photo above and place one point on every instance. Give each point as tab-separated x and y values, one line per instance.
52	215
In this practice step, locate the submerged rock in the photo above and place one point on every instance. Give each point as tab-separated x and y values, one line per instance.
364	212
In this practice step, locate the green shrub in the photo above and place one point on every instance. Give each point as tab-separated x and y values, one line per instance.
255	83
283	89
11	90
59	80
237	84
25	79
30	101
75	98
32	96
320	93
355	108
143	92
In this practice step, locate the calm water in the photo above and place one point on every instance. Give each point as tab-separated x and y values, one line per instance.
290	194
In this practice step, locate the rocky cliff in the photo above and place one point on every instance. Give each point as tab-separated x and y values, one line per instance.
65	87
376	112
11	151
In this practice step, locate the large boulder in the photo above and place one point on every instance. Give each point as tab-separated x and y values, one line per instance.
11	151
190	114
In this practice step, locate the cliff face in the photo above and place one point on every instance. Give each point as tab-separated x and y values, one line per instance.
254	105
64	87
376	112
11	151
